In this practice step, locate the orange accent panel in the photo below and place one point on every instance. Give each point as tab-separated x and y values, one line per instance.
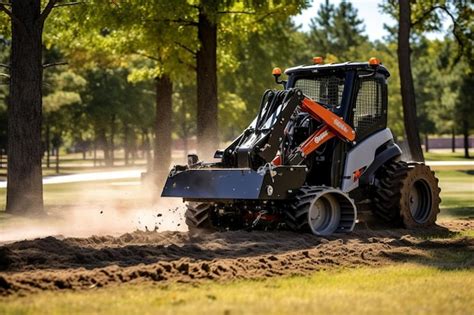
335	123
316	140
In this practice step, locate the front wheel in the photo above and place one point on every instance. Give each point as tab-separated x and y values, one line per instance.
407	194
198	216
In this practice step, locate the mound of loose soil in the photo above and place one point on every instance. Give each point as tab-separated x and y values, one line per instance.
72	263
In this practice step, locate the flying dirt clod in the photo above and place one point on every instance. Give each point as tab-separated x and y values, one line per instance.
318	152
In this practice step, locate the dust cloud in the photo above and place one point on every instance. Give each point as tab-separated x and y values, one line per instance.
99	209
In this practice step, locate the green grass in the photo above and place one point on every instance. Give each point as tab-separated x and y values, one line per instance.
457	193
446	155
402	289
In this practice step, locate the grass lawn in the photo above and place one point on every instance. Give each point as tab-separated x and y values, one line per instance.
401	289
457	193
415	288
447	155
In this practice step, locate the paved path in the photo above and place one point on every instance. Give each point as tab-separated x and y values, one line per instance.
450	163
88	177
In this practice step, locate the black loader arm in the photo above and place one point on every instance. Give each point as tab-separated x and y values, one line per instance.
260	142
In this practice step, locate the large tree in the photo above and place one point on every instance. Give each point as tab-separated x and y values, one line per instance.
416	17
212	15
152	39
24	187
407	87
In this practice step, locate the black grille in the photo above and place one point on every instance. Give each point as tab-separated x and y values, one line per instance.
325	90
370	109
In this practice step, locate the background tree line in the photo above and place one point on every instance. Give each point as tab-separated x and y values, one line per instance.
142	73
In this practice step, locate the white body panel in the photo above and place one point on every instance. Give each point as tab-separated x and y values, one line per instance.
362	155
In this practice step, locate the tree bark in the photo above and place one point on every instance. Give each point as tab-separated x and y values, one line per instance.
427	143
48	144
95	150
206	69
146	151
105	146
57	159
112	141
133	145
406	82
465	132
164	109
24	186
453	140
126	145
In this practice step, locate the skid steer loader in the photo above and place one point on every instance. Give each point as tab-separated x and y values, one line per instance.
318	150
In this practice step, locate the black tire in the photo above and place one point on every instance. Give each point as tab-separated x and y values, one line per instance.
296	218
198	216
406	194
321	210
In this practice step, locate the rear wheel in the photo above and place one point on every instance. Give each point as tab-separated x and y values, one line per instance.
407	194
198	216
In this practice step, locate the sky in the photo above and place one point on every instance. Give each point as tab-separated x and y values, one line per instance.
368	11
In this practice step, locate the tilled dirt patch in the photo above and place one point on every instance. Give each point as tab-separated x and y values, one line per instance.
72	263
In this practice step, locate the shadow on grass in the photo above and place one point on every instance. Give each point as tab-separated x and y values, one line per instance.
448	257
458	212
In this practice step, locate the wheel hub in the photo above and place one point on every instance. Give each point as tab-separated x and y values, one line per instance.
420	201
324	215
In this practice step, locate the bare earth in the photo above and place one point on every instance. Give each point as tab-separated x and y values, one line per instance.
83	263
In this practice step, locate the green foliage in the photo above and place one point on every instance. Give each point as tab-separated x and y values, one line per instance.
278	43
115	49
337	31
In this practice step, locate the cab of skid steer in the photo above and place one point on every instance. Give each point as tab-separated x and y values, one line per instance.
355	91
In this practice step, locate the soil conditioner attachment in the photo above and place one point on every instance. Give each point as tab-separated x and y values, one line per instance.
318	152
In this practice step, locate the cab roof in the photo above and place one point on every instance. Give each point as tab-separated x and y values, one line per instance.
345	66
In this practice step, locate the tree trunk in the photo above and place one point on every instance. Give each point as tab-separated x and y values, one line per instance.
206	70
95	151
24	186
57	159
453	141
143	144
406	82
84	147
164	110
427	144
105	146
48	145
146	151
126	144
112	141
465	133
133	145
